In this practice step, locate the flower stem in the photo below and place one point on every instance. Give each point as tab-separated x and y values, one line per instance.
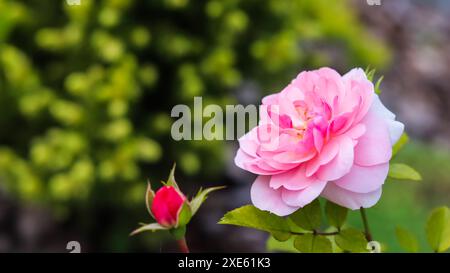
366	224
183	245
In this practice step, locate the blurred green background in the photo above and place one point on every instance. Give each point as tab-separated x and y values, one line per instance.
86	93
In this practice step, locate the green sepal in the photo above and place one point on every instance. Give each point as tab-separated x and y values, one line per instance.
404	138
178	232
370	74
184	215
377	85
148	227
201	196
149	196
171	180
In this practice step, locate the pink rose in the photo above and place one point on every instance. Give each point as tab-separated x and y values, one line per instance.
333	138
167	205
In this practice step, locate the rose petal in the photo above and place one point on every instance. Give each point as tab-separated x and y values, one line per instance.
293	157
364	179
374	147
328	152
357	131
303	197
318	139
292	180
341	164
349	199
249	142
242	158
266	198
253	165
381	110
395	130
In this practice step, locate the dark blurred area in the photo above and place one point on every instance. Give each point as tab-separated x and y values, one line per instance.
86	93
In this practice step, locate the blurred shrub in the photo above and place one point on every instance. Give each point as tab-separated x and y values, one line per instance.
86	91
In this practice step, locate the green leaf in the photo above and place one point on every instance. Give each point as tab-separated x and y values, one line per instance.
171	180
148	227
336	214
149	195
403	172
407	240
273	244
352	240
281	236
252	217
201	196
184	215
404	138
309	217
438	229
309	243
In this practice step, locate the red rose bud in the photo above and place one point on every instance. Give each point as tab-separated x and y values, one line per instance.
167	205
